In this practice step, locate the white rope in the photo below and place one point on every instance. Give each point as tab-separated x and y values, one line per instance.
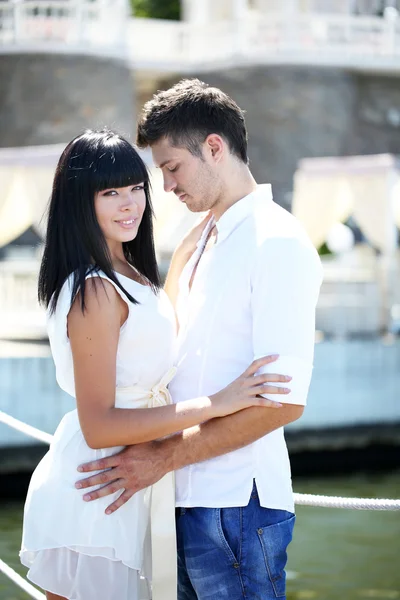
304	499
20	581
355	503
24	428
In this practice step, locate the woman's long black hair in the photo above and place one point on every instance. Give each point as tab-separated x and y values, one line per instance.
75	244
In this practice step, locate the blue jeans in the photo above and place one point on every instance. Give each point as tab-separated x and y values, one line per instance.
233	553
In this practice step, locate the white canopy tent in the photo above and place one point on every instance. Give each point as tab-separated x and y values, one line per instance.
327	191
330	190
26	176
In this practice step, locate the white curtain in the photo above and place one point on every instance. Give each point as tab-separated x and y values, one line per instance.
43	181
25	192
16	206
26	176
395	199
372	208
319	202
328	191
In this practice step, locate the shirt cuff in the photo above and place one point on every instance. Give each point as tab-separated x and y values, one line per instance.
299	370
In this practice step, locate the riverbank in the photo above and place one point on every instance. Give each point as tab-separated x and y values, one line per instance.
336	553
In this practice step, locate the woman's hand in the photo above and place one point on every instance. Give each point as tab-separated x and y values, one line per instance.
245	390
189	243
181	256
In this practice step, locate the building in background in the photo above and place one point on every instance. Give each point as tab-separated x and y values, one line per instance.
319	79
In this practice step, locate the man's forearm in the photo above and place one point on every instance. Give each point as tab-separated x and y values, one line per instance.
225	434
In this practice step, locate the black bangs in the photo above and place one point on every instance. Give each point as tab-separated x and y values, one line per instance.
75	244
109	161
118	167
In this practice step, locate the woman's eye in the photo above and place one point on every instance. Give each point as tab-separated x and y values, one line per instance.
172	169
138	187
110	193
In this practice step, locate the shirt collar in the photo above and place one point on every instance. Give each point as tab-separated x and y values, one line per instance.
239	211
205	233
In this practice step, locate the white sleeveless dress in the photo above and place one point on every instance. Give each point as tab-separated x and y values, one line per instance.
70	546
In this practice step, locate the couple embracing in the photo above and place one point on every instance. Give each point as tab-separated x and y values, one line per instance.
182	391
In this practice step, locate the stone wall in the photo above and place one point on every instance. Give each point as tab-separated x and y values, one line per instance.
292	112
47	99
298	112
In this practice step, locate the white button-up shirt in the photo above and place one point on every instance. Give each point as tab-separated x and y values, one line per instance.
254	293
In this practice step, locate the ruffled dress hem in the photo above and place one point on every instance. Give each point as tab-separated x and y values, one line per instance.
76	575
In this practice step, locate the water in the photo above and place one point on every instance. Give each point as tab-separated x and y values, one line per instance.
336	553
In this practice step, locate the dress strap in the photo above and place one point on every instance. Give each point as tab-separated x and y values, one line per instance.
102	275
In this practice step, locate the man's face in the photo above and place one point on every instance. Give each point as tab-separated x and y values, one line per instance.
195	181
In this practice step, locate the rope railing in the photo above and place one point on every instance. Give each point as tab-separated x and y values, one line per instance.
20	582
24	428
300	499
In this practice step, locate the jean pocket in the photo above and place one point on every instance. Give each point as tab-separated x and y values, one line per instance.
229	524
274	541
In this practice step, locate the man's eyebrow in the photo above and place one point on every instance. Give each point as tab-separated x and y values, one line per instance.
166	162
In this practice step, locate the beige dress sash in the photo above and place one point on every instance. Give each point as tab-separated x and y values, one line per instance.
162	506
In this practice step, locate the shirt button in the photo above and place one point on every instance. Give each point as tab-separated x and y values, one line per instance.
260	531
236	565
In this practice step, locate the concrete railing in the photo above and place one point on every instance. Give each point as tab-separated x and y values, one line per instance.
103	28
349	302
330	40
83	26
21	317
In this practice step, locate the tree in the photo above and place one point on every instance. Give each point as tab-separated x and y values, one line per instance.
157	9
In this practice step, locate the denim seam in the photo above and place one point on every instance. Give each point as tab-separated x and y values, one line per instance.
228	549
241	534
242	584
222	537
271	578
240	551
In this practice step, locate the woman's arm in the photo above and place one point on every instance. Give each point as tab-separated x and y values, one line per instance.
181	256
94	341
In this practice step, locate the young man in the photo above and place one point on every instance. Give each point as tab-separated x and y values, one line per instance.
249	290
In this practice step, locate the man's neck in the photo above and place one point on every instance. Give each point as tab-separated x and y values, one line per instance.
238	187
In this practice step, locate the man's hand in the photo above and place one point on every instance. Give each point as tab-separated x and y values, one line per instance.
131	470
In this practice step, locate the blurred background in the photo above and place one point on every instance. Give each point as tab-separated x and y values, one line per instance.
320	83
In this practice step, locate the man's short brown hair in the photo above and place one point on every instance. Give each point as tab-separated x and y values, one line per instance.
190	111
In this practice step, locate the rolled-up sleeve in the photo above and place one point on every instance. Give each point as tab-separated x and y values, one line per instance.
285	285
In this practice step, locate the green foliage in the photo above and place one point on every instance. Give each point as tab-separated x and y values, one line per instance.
157	9
324	250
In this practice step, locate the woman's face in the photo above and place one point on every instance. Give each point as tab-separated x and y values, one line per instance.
119	212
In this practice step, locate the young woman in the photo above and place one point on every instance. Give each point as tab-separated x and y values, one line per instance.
112	334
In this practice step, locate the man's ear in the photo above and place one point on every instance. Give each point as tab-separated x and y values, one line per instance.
215	146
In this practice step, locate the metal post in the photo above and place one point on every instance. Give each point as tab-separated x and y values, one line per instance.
240	24
387	259
391	15
18	18
291	28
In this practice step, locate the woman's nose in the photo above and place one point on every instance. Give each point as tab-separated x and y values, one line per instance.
128	200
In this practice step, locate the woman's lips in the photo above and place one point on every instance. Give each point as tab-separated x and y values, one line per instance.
127	223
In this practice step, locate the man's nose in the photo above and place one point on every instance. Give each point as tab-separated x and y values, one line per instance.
169	183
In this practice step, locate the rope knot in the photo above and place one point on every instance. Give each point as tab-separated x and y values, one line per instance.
159	394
